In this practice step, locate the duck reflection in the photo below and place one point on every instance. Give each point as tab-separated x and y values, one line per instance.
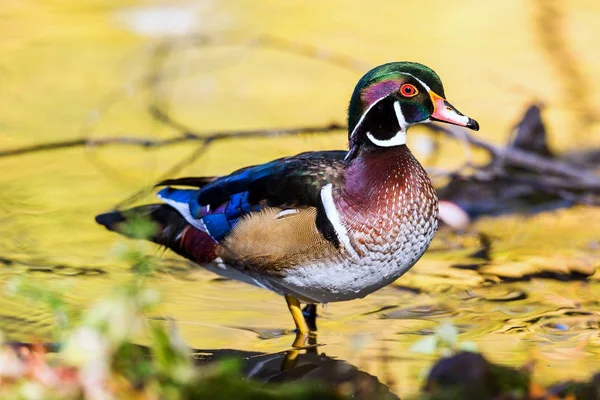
304	363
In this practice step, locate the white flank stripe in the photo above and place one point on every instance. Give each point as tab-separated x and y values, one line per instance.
184	210
334	217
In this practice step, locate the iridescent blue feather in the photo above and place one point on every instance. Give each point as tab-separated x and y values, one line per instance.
217	206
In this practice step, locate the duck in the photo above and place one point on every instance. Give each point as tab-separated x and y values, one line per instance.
321	226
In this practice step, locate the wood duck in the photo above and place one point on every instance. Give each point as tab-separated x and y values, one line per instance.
322	226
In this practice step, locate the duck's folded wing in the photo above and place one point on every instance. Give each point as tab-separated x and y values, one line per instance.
287	183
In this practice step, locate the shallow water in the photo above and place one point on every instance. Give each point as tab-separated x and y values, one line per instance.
72	69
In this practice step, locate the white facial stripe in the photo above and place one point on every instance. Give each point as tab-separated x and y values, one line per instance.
420	81
362	117
360	121
334	217
400	116
402	125
398	139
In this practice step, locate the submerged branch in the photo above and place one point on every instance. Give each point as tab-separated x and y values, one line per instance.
515	157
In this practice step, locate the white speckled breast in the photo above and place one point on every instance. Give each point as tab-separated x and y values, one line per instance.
389	209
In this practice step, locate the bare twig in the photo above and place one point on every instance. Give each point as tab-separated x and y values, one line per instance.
276	43
187	136
144	191
165	49
64	144
206	141
158	106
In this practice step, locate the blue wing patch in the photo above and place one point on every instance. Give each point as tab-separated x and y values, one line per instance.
217	222
216	204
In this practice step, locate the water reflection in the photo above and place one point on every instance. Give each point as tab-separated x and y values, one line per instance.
548	320
308	364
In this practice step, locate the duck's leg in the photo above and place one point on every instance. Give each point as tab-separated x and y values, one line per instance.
310	315
306	327
294	307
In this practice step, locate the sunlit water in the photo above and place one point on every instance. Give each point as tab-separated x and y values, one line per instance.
78	70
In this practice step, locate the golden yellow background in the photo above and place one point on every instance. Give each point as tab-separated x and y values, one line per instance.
75	68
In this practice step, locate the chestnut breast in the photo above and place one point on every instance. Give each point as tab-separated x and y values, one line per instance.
388	205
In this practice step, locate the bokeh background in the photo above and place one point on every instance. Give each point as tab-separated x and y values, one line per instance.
96	70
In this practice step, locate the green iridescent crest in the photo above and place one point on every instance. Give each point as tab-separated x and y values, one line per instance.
387	79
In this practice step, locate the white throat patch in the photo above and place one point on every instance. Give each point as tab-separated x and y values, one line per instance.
399	138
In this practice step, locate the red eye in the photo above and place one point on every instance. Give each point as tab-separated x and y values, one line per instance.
408	90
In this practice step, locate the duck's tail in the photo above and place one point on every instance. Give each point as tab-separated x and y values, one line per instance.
162	224
158	223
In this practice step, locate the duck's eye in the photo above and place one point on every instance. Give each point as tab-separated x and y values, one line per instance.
408	90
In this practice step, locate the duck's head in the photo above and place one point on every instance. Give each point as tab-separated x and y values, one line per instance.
392	97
